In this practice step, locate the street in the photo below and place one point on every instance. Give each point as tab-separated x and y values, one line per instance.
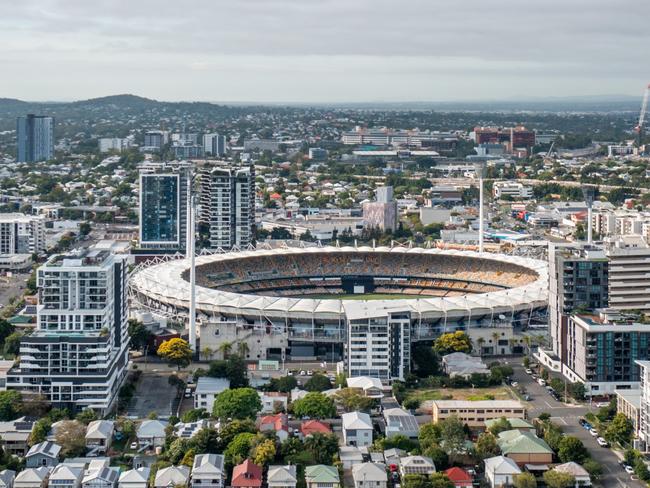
566	416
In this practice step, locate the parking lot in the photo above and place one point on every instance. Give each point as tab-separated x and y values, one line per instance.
154	394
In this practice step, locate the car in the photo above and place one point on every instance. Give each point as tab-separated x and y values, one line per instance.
593	432
587	426
541	382
527	398
188	393
289	373
310	373
133	445
582	421
529	371
303	373
602	442
628	469
514	384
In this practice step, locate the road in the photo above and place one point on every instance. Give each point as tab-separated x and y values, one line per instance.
12	287
566	416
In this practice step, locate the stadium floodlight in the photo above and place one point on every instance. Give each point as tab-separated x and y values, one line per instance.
589	194
480	171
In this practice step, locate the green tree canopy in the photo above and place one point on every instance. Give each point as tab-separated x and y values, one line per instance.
557	479
10	405
315	405
525	480
318	382
237	403
322	447
499	426
239	448
486	446
620	429
572	449
453	342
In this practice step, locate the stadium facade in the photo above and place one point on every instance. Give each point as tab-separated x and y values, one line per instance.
278	301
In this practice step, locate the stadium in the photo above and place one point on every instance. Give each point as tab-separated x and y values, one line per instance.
312	302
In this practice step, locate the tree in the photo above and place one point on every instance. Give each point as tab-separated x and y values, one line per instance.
322	447
6	328
177	449
577	390
243	349
557	479
284	384
553	436
176	351
425	360
453	342
620	429
439	457
239	448
225	348
39	432
452	436
352	400
396	441
195	415
499	426
86	416
207	352
594	469
429	436
416	481
486	445
206	441
230	430
234	368
572	449
10	405
315	405
318	382
525	480
12	344
71	436
440	480
264	452
237	403
139	334
188	458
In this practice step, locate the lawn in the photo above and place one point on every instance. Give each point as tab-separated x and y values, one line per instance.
471	394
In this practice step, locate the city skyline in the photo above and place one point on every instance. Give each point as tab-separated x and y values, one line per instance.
288	51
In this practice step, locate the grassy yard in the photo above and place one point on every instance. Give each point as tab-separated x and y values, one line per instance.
471	394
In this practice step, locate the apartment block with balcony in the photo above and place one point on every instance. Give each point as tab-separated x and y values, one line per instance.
603	348
629	272
77	356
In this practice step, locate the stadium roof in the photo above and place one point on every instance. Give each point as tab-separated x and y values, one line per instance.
164	283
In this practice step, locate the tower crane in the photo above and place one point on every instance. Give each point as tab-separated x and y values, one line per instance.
644	107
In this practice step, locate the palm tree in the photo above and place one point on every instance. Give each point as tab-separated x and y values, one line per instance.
207	353
225	348
243	349
495	337
480	342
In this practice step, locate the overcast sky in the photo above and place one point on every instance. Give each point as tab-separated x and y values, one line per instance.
323	50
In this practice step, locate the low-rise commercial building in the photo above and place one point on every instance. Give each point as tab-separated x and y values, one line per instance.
474	414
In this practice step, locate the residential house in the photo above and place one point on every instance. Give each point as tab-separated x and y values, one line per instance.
172	477
206	391
515	423
99	474
144	460
43	454
151	433
134	478
311	427
371	387
578	472
187	430
349	456
246	475
459	477
524	447
32	478
297	394
282	477
277	423
7	477
464	365
399	421
393	456
14	435
208	471
369	475
321	476
500	471
99	435
66	476
273	401
416	465
357	429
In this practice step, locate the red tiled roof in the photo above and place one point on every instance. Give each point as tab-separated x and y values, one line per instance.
279	421
458	476
247	474
313	426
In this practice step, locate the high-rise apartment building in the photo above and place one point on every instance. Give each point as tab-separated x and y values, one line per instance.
154	140
163	206
629	272
381	214
35	138
379	341
214	145
21	234
578	276
77	356
228	205
512	137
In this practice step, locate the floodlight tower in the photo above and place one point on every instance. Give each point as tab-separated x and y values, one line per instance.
190	254
589	194
480	170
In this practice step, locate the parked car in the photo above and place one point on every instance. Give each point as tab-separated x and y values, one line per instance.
593	432
529	371
188	393
514	384
587	426
133	445
628	469
541	382
602	442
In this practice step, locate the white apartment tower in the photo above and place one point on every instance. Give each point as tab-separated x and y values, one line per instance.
21	234
228	206
77	356
214	144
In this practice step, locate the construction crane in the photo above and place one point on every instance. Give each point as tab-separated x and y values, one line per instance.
644	106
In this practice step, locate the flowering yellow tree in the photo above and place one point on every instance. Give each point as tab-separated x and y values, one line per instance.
176	351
